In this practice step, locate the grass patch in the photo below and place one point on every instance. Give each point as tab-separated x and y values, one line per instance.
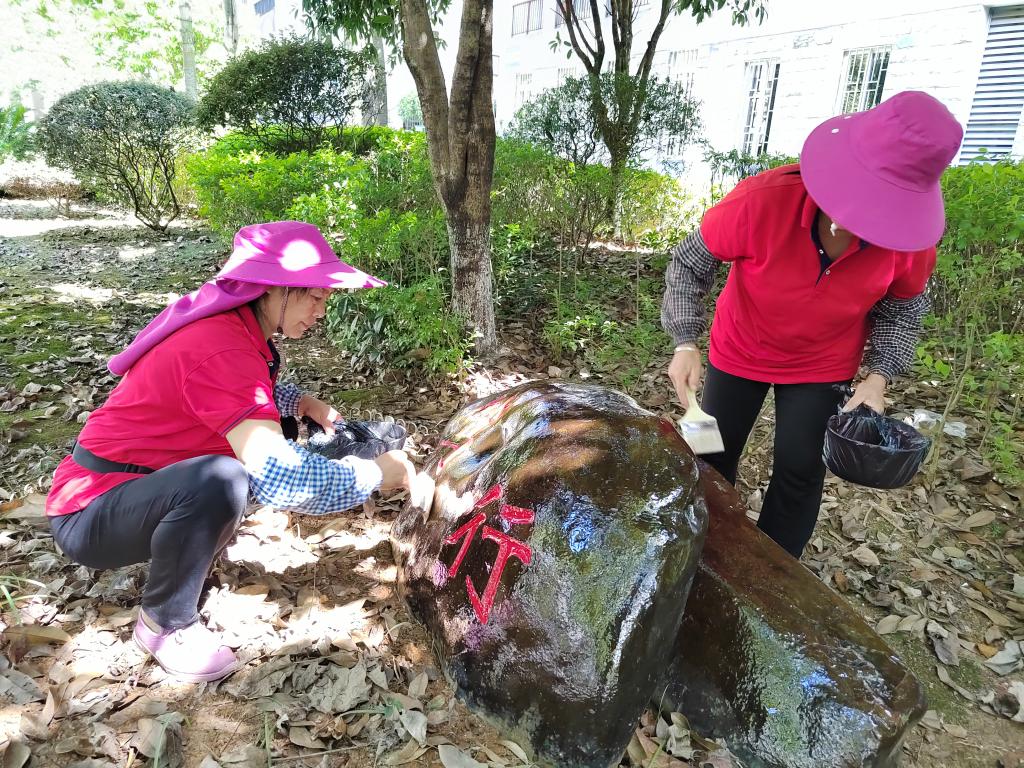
53	431
915	653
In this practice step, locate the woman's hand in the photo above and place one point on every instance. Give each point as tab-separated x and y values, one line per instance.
685	370
397	470
870	392
318	411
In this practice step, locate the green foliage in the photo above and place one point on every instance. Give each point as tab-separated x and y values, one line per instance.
123	141
287	92
410	112
596	325
400	326
978	303
143	38
731	167
236	188
16	133
362	19
380	211
562	119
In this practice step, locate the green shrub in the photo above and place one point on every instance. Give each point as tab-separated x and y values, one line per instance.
400	326
123	141
234	189
561	120
978	304
16	139
287	92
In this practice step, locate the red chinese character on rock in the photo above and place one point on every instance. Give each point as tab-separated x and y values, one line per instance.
508	547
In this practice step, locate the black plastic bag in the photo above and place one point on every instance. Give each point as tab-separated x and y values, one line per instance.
867	448
365	439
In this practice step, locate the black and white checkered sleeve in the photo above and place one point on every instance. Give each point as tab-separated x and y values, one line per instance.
895	327
691	272
286	398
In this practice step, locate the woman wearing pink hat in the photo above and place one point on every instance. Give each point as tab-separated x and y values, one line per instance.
826	256
163	469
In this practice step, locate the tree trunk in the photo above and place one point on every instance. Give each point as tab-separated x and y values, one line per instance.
230	27
469	236
460	141
377	111
618	191
188	50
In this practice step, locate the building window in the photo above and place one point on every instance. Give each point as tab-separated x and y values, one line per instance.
679	68
865	70
581	7
994	130
263	7
762	78
526	17
524	88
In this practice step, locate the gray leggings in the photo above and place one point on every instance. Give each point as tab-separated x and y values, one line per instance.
178	518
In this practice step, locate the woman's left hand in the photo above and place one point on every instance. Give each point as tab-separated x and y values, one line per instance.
318	411
870	392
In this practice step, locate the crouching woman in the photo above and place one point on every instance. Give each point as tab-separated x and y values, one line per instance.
163	469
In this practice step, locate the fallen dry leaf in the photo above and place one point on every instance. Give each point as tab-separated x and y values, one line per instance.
979	519
865	556
888	625
35	634
453	757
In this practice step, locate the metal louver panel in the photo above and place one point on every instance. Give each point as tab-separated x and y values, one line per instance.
999	94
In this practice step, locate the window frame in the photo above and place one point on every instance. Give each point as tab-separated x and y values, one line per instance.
760	104
526	25
863	90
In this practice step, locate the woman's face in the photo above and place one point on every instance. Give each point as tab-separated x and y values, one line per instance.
303	310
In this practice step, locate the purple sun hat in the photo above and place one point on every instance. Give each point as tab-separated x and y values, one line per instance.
292	254
876	173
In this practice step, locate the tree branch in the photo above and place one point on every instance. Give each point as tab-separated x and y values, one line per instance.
593	58
420	50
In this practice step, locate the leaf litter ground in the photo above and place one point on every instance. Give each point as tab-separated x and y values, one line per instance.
336	672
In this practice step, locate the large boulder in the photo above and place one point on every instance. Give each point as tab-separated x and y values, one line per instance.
555	562
776	664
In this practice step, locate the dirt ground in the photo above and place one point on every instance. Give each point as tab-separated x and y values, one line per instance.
313	601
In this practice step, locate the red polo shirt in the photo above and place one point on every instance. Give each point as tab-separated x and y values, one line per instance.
177	402
781	318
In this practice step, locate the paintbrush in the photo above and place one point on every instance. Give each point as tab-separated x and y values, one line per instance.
699	430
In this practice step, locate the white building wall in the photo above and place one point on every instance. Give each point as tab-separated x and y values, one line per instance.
936	46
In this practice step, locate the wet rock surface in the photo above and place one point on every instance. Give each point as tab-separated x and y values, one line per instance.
555	561
775	663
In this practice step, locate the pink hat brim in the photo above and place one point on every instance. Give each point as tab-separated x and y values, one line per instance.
870	207
331	275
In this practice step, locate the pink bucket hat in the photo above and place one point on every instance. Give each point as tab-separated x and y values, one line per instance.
876	173
292	254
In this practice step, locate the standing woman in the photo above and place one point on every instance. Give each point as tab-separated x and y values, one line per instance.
163	469
825	255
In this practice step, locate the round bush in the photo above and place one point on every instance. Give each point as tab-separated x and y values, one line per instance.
287	93
122	140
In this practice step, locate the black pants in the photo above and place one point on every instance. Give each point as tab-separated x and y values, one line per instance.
790	508
178	517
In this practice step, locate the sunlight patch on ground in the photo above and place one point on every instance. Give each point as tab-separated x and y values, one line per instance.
67	292
32	227
132	254
487	381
